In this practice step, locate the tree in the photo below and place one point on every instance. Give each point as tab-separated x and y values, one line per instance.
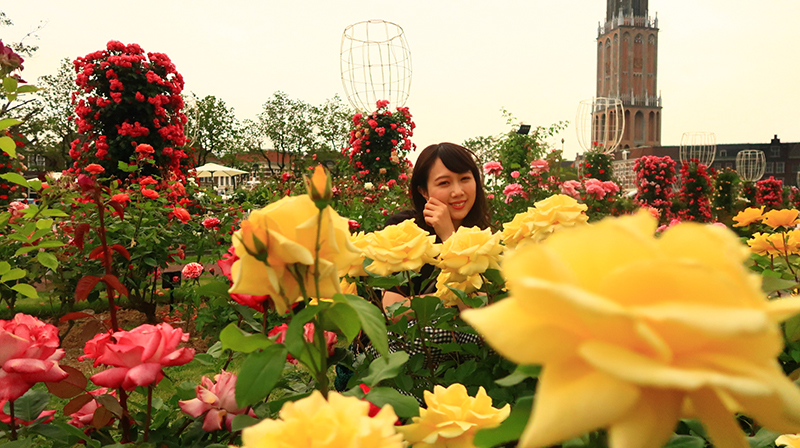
52	128
212	128
333	119
288	124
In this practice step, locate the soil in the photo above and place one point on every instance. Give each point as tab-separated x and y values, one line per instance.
86	328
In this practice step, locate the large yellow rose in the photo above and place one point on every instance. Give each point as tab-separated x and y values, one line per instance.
748	216
547	216
633	332
401	247
339	422
467	254
284	234
452	418
360	240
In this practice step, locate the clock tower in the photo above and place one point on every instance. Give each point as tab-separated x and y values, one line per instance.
627	63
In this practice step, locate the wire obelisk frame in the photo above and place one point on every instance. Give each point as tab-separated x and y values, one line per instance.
751	164
698	145
600	124
376	64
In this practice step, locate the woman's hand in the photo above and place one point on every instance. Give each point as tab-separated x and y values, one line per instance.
437	215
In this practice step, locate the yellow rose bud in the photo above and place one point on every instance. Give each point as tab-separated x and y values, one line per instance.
453	417
319	187
649	328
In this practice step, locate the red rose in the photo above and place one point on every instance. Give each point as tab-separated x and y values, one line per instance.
150	194
94	168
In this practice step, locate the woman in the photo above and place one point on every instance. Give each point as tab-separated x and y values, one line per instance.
447	193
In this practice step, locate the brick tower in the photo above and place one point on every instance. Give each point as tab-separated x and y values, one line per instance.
627	68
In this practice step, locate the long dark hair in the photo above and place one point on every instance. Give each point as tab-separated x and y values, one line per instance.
457	159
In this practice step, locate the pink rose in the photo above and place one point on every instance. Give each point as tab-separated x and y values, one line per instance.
29	354
570	188
216	399
85	415
137	356
515	174
595	188
192	270
210	223
610	187
512	190
539	167
493	168
279	333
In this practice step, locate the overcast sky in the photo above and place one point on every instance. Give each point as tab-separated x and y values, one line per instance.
725	66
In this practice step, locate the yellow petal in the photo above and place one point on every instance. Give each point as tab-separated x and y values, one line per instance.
720	424
646	372
650	422
520	336
572	399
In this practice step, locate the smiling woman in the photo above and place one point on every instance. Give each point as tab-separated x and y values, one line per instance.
446	189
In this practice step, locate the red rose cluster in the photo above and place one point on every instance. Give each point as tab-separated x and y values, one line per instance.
654	179
124	99
769	192
695	194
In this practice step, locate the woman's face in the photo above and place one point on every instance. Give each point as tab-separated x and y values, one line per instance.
457	190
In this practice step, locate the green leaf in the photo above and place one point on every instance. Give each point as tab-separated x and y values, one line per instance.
26	290
371	322
52	432
54	213
242	421
50	243
36	185
125	167
791	328
520	374
15	178
234	338
344	317
385	367
404	406
306	353
29	406
259	374
763	438
684	441
10	84
44	224
771	284
511	428
4	267
47	260
27	89
424	307
8	146
8	122
214	289
22	443
14	274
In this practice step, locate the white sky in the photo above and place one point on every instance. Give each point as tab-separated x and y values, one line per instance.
725	66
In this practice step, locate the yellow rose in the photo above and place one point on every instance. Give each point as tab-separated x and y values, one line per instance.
748	216
360	240
470	251
777	218
339	422
346	287
452	418
319	186
633	332
759	244
400	247
790	440
471	284
284	234
547	216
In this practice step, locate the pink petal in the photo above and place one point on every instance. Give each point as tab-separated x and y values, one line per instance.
36	370
142	375
12	386
213	420
193	407
178	358
112	377
11	346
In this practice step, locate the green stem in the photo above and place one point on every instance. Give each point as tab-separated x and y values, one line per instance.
101	231
149	412
316	253
124	421
322	375
13	420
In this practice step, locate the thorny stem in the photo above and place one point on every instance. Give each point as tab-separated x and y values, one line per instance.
124	421
101	232
149	412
